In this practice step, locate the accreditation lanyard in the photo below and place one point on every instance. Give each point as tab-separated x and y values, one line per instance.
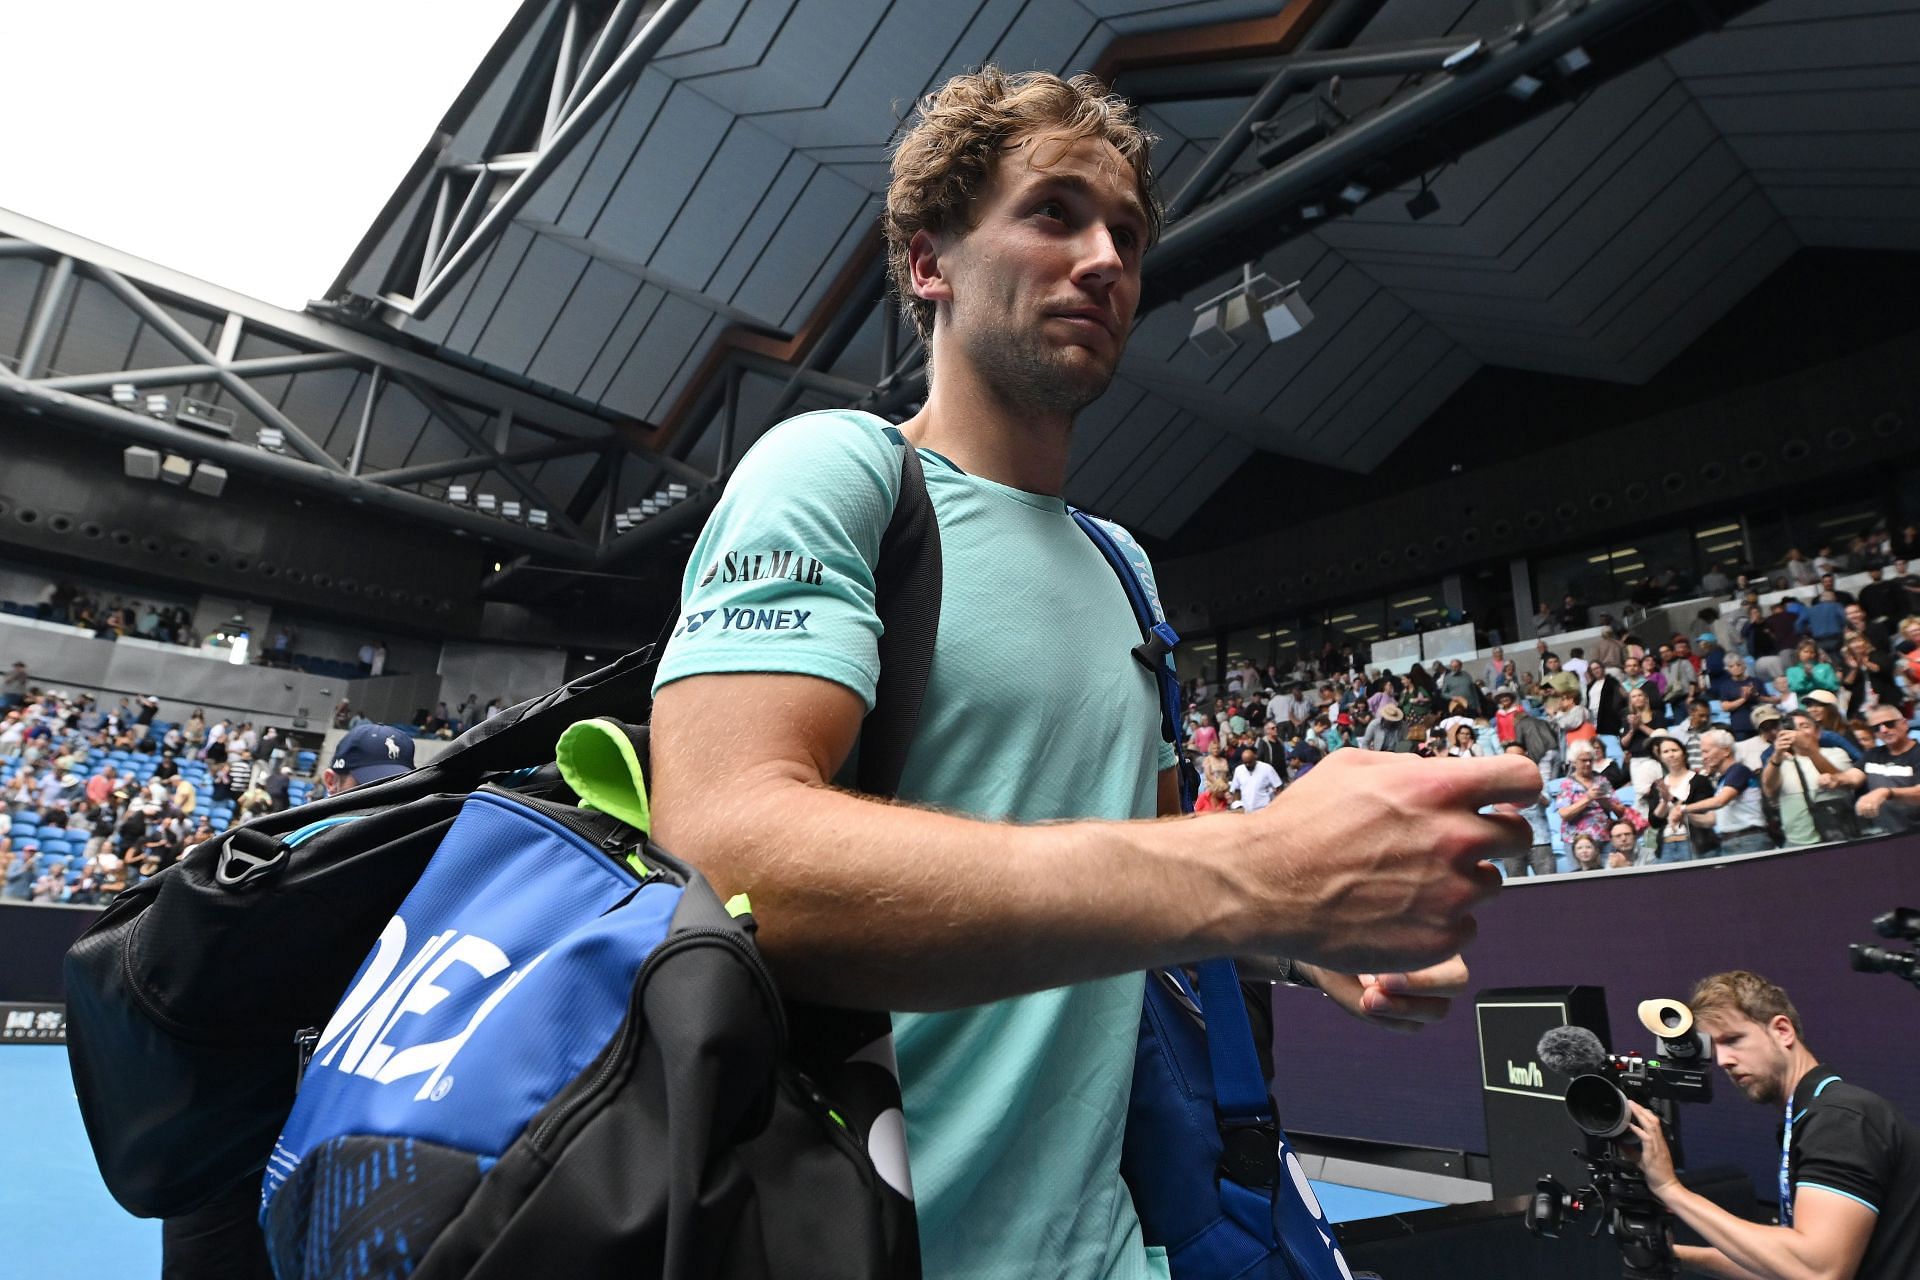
1786	1154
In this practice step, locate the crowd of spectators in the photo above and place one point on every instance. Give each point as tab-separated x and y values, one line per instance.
96	797
110	617
1768	727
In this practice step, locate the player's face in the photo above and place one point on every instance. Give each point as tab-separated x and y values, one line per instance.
1045	284
1751	1055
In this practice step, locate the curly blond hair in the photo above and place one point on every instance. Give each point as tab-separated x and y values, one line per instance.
948	155
1743	992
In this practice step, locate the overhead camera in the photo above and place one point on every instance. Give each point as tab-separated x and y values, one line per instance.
1679	1070
1902	924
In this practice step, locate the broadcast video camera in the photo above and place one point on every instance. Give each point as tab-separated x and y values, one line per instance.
1900	924
1679	1070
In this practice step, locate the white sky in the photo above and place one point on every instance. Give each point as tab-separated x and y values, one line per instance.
247	142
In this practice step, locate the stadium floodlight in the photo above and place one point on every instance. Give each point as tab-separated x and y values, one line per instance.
621	522
635	515
1356	193
125	393
1424	202
536	518
141	463
208	480
175	469
510	509
158	405
1573	61
457	494
272	439
1312	212
676	491
487	502
1257	305
1523	87
648	507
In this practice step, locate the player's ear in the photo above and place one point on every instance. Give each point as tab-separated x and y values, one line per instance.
1782	1028
927	267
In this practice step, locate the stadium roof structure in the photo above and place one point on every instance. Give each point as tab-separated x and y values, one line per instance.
657	220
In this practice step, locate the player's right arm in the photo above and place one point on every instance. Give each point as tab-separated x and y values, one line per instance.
1371	863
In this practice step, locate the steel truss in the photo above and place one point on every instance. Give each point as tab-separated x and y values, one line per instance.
205	376
1460	97
579	69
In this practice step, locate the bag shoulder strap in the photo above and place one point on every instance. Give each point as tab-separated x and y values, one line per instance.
1239	1087
1158	638
907	588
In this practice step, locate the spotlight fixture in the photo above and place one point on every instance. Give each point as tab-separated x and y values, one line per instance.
175	469
141	463
125	393
457	494
621	523
510	509
1573	61
676	491
1312	212
272	439
536	518
487	503
208	417
1523	87
635	515
208	479
158	405
1355	193
1278	145
1257	305
1423	203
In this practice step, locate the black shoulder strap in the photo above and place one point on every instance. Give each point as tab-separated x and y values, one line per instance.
907	586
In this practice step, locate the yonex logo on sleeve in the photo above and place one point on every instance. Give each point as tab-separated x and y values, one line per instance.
692	622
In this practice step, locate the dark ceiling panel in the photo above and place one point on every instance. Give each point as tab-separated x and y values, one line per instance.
546	280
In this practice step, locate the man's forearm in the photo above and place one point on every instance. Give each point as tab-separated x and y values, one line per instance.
919	909
1712	1262
1771	1253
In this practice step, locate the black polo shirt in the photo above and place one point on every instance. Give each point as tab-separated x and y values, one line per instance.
1853	1143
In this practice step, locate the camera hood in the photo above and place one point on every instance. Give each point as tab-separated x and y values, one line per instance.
1597	1106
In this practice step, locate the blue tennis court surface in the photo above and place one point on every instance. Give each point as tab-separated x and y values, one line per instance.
61	1221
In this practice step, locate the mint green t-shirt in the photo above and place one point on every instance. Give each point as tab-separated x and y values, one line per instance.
1035	710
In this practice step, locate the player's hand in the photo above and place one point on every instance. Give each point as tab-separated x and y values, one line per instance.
1374	861
1402	1002
1656	1161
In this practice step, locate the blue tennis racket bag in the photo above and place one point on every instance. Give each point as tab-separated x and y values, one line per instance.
563	1058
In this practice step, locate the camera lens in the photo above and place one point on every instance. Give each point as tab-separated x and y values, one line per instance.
1597	1106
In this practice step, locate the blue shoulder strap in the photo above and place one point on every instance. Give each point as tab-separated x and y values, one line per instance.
1239	1087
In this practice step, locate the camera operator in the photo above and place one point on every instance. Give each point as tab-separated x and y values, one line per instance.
1849	1163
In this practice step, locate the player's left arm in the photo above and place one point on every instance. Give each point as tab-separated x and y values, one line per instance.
1826	1241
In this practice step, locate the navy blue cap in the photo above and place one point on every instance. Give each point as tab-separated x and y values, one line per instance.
374	751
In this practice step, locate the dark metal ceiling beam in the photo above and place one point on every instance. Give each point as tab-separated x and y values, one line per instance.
191	347
1266	210
181	375
461	466
487	456
138	428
